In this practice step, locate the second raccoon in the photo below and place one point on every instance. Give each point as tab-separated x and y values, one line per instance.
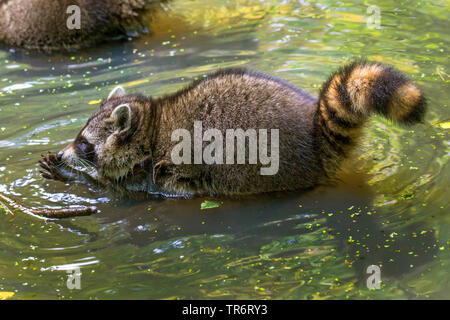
127	143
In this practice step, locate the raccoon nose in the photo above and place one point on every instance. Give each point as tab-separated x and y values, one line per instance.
59	155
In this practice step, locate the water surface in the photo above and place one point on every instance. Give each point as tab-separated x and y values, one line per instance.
390	209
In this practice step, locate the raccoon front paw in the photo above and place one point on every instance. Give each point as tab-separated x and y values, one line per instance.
53	167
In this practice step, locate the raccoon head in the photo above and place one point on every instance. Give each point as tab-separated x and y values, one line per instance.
114	140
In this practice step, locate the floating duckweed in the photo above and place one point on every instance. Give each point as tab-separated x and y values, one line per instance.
209	204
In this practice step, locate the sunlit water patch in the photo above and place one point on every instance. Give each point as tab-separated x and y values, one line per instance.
390	210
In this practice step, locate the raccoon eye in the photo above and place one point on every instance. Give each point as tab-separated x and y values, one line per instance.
83	147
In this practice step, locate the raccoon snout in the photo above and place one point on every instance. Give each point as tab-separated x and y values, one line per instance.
65	152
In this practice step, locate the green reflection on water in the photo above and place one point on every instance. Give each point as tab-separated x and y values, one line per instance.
392	211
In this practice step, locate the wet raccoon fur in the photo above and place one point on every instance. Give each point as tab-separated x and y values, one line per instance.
42	24
127	143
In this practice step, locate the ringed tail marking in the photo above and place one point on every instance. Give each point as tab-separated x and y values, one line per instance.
353	93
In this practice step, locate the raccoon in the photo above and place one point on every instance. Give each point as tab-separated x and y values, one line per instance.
127	144
42	24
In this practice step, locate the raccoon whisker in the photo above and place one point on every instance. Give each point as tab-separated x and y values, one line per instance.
71	168
70	174
91	168
82	164
59	165
88	162
74	163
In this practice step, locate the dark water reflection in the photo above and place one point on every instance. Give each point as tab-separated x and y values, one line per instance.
390	208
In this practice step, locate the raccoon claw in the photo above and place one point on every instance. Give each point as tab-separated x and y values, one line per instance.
50	165
45	175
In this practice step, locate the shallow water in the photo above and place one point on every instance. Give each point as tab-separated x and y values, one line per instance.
390	210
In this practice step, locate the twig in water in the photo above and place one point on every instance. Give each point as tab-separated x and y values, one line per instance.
5	207
440	121
50	213
441	73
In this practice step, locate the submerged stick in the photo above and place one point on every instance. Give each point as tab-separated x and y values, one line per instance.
6	208
50	213
440	121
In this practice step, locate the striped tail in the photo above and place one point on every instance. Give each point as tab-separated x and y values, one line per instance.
350	95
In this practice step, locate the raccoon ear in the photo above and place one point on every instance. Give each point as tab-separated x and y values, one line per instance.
118	91
121	116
